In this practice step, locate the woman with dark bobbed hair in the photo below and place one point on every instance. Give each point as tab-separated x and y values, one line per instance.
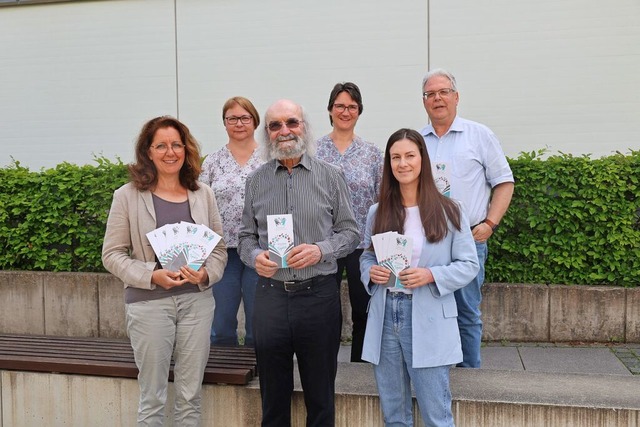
361	163
168	313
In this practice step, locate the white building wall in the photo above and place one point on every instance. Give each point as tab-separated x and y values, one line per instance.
300	50
78	79
562	74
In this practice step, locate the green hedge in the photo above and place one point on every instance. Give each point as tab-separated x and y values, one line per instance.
54	220
572	220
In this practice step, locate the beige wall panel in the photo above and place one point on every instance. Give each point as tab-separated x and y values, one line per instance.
71	305
22	302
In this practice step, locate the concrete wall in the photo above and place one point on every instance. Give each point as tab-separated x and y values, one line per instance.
560	313
480	398
64	304
37	399
81	304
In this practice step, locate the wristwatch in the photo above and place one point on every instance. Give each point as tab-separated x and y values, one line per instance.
491	224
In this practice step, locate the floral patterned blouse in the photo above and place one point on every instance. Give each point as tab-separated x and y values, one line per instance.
227	178
361	164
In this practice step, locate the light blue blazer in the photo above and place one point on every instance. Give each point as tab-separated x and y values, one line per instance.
436	340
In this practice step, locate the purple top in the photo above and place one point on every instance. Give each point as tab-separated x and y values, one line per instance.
361	164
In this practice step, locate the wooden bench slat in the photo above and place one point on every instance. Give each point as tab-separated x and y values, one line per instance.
113	358
70	359
93	355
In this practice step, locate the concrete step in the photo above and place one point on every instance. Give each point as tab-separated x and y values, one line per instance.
526	384
482	397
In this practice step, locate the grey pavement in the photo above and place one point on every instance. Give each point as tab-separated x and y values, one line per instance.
548	374
555	358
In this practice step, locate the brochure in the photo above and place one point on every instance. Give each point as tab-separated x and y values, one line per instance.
182	244
280	236
393	251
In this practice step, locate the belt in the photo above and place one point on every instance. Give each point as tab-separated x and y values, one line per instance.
296	285
399	295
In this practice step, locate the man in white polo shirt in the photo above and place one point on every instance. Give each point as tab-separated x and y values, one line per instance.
468	165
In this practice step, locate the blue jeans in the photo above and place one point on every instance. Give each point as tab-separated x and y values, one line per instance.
394	374
469	322
238	283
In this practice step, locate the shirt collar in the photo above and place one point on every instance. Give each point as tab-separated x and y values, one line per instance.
305	162
456	126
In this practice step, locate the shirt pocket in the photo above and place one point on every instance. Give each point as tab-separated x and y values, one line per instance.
465	163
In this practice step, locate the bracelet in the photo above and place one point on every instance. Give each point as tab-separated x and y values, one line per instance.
490	223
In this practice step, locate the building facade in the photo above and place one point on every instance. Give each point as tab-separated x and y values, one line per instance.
79	78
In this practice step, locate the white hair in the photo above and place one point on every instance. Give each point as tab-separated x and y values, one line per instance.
439	72
266	147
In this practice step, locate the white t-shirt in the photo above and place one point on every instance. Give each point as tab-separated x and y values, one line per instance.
413	228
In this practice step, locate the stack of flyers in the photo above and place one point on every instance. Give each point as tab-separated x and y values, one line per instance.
280	236
393	251
184	243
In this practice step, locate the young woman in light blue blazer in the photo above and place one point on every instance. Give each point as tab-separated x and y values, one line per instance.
412	332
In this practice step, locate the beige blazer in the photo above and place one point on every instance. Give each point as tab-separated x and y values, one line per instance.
126	251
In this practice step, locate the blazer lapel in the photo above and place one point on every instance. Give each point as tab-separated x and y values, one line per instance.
423	255
147	199
196	211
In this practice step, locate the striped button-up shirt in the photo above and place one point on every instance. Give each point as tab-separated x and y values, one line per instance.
317	197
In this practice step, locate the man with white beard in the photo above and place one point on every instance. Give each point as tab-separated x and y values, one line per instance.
297	308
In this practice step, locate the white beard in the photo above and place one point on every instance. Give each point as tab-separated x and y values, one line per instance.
296	150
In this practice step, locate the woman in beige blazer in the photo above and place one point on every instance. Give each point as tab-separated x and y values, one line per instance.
167	312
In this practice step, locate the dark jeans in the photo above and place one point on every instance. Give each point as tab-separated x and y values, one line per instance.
306	323
238	283
358	298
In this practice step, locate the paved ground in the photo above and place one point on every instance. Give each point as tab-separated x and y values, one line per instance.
566	358
564	379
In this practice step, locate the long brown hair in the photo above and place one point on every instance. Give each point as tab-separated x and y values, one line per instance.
143	173
434	208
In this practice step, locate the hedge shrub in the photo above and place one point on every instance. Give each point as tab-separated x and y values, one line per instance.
55	219
573	220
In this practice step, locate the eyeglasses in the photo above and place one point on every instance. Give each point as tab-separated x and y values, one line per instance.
162	148
290	123
232	120
341	107
441	93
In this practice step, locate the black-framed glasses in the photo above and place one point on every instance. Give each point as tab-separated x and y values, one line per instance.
441	93
162	148
290	123
232	120
341	107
